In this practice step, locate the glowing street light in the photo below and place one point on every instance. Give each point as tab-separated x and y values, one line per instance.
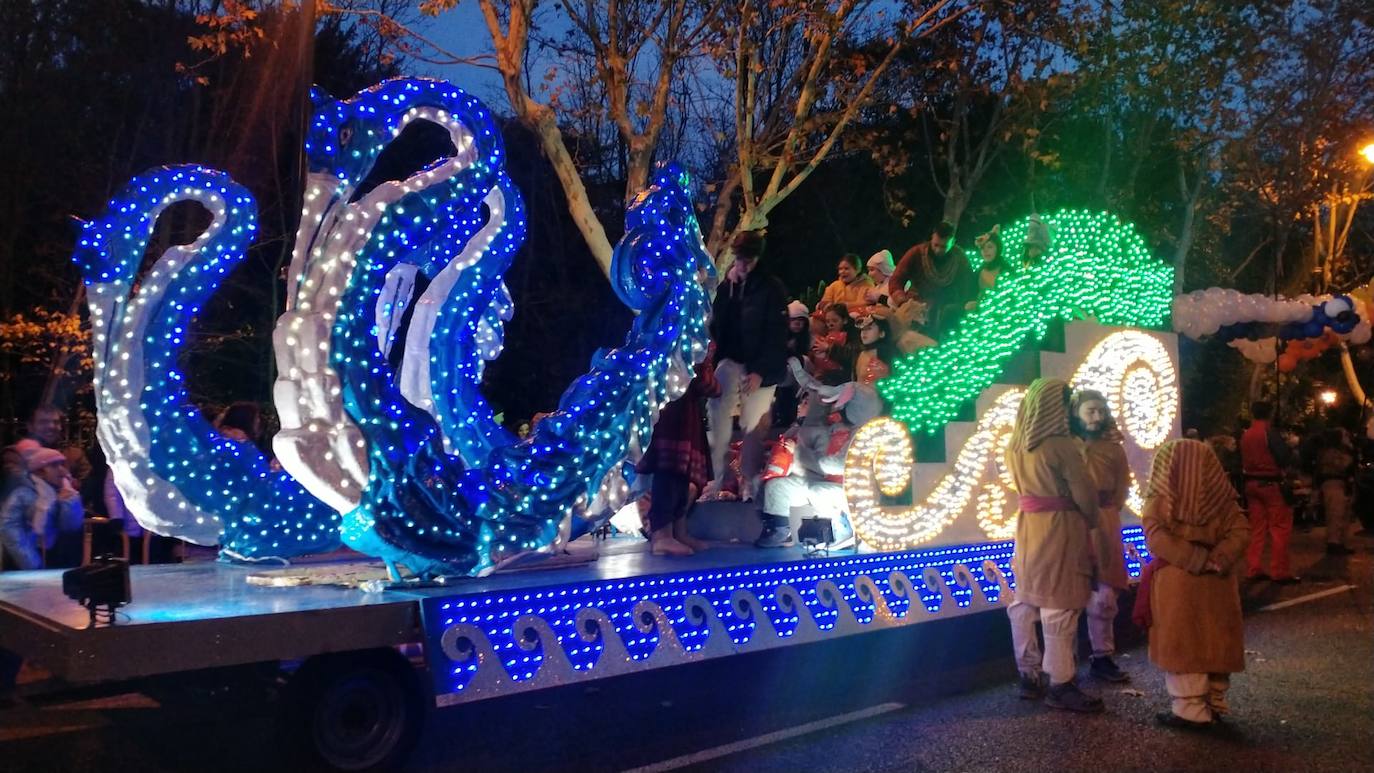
1327	396
1368	152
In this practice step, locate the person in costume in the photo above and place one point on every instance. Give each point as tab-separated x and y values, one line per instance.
1037	242
1196	535
808	465
1265	459
679	459
940	276
1052	558
850	287
990	250
1101	444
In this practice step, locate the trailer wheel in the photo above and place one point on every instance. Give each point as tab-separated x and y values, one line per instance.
355	711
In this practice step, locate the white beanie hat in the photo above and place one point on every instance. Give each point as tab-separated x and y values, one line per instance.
881	261
797	310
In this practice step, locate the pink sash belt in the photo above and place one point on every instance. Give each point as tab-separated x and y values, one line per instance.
1030	503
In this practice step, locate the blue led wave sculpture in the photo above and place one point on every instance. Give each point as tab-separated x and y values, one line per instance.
178	475
410	452
396	300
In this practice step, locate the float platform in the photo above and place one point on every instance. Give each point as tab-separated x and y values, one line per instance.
625	612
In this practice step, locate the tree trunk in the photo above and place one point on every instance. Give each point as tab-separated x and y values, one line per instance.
956	201
541	119
1189	228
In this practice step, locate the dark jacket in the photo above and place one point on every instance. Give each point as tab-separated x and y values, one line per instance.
749	325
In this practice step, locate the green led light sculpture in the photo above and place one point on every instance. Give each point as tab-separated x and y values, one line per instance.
1096	266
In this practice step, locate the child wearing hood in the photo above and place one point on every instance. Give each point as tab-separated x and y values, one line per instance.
808	468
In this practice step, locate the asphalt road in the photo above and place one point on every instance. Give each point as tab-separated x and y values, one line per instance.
935	697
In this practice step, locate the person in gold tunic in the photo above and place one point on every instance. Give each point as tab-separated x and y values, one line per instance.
1101	444
1052	560
1197	535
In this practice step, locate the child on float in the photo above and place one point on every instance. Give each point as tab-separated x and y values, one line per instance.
850	286
808	463
838	347
798	346
878	348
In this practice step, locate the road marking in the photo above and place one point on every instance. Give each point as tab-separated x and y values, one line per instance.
1307	598
767	738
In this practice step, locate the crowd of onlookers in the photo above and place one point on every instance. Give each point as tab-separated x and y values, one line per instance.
59	504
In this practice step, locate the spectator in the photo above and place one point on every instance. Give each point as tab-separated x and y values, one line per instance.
679	460
41	508
1335	474
749	326
850	288
1227	451
1264	458
880	268
1197	535
811	466
115	508
44	427
241	422
1102	448
940	276
1052	556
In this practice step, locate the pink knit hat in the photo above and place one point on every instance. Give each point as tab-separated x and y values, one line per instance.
43	457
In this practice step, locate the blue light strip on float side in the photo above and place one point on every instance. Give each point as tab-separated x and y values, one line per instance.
502	616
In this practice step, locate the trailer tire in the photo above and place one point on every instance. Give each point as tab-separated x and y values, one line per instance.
358	711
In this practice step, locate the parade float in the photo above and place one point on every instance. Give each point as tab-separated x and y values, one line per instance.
398	455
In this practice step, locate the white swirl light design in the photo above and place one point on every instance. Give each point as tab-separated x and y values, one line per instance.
1135	372
318	443
1133	369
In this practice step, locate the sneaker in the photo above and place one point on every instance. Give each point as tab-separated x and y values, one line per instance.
1256	577
1068	697
1031	687
1105	668
1170	719
1289	580
777	532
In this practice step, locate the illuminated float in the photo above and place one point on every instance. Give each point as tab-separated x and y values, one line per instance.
398	455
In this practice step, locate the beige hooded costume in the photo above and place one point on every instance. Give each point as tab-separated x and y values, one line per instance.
1111	473
1052	561
1053	556
1193	523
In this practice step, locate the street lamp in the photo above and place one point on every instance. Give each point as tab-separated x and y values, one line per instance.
1368	152
1328	397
